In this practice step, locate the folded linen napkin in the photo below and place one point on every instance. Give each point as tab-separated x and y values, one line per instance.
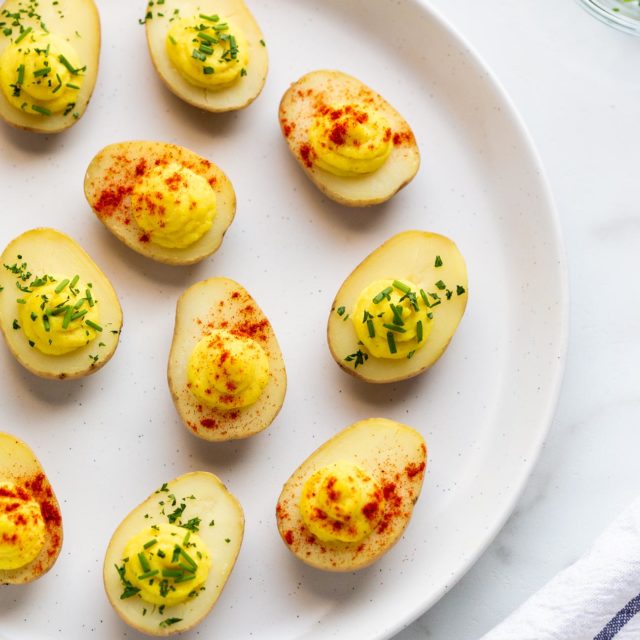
596	598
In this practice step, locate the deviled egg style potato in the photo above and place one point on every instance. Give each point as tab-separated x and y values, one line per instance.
30	520
226	372
209	53
354	146
163	201
350	501
49	53
59	313
395	315
169	559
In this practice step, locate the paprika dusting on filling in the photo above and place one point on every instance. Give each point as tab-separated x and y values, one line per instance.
348	140
30	524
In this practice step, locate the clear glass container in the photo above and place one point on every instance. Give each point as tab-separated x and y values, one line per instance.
621	14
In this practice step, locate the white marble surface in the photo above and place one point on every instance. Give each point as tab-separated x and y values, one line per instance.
576	84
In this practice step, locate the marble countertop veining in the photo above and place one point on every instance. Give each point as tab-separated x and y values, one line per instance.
575	83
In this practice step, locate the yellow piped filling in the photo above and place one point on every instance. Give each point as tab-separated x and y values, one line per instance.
173	205
341	502
167	564
22	528
60	315
227	371
350	140
391	319
40	74
211	53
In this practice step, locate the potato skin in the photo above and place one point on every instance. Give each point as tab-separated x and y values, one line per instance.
296	114
395	455
410	254
221	303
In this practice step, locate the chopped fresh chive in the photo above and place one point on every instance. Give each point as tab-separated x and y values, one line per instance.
89	297
410	355
419	330
176	555
58	311
23	35
78	304
394	327
73	86
8	31
438	261
198	55
397	315
223	26
243	72
449	293
172	40
208	71
188	558
44	71
263	43
172	573
93	325
79	314
371	328
68	65
169	621
184	578
340	311
20	74
185	542
382	295
144	563
41	110
47	325
460	290
67	317
21	301
186	567
400	285
62	285
391	341
213	18
430	316
150	544
148	574
16	325
441	285
207	38
206	49
34	317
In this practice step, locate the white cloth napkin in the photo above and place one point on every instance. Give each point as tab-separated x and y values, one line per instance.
597	598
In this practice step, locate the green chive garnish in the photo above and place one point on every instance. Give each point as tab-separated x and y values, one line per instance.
441	285
67	317
45	321
68	65
41	72
410	355
148	574
188	558
186	567
206	49
460	290
73	86
395	327
419	330
62	285
221	27
93	325
150	544
184	578
397	314
207	38
382	295
198	55
208	71
391	341
41	110
423	295
20	74
23	35
89	297
58	311
400	285
79	314
213	18
144	563
172	573
78	304
438	261
372	330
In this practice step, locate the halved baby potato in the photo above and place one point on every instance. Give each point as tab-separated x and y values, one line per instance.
324	116
349	502
59	313
435	270
205	311
114	174
186	519
30	520
31	97
211	52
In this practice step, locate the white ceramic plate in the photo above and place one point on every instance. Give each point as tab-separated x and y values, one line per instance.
109	440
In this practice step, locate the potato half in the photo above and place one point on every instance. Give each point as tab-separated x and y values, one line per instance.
220	303
395	457
78	23
202	502
311	95
41	252
109	182
236	96
430	261
20	467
